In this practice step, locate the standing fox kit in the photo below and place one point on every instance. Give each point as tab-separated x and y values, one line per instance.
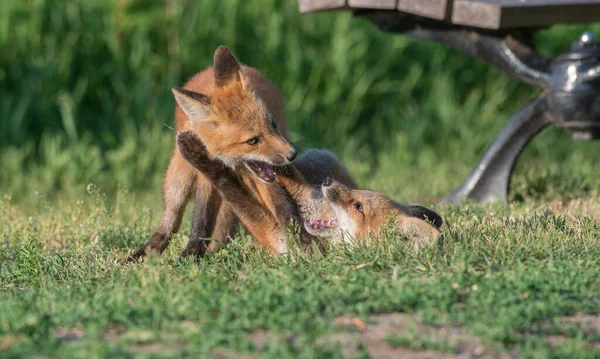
238	114
332	210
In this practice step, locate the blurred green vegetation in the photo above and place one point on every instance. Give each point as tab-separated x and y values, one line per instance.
85	95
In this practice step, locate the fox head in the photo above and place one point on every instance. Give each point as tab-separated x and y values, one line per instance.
234	123
357	214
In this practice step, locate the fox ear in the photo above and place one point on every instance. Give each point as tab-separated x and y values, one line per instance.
425	214
227	69
195	105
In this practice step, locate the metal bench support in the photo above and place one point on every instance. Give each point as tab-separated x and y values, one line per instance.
490	179
570	100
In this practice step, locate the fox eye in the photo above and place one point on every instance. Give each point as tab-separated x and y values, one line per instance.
359	207
253	141
273	123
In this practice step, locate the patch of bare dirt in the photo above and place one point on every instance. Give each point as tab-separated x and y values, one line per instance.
68	334
261	338
374	336
555	340
141	342
114	332
11	287
154	347
222	353
588	323
75	333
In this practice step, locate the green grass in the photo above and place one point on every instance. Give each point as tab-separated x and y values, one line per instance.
499	273
85	137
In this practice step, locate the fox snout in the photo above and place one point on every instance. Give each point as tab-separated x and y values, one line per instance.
288	158
331	190
289	152
292	155
286	154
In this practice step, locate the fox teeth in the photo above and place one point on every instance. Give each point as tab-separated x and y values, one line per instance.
321	223
263	170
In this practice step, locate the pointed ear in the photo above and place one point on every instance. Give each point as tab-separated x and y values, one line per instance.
227	69
425	214
196	106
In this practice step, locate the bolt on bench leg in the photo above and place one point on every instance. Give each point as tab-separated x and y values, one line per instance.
489	180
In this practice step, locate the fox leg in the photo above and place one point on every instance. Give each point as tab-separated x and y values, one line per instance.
256	217
206	208
177	188
226	227
212	218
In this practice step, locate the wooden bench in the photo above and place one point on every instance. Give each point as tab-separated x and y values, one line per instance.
499	32
486	14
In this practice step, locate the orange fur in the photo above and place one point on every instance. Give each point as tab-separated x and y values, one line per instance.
360	213
265	216
226	106
238	114
363	213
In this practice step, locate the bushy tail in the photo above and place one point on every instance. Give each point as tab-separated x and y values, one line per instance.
425	214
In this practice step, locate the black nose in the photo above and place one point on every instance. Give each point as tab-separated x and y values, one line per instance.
328	182
292	155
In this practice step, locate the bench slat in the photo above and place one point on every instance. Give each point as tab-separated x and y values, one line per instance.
487	14
500	14
373	4
316	5
435	9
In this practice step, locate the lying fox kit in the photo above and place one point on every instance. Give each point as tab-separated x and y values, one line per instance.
354	215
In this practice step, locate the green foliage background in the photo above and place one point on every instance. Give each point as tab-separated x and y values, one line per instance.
84	95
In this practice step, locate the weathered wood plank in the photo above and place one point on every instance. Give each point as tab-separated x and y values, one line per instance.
500	14
435	9
316	5
373	4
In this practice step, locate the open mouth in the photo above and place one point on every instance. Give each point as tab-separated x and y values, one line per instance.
321	224
262	170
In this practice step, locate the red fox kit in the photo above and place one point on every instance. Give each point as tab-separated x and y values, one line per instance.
265	224
333	205
358	214
238	114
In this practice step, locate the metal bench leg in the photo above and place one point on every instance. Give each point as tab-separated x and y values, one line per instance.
571	85
489	180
